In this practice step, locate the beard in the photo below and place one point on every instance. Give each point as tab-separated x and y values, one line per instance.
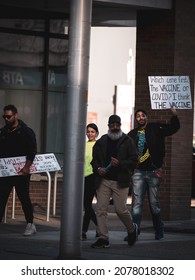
142	123
115	134
8	125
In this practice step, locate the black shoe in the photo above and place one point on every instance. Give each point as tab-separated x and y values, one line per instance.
84	236
101	243
159	232
97	235
126	238
132	236
159	235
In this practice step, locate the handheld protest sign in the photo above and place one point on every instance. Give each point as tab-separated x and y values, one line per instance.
170	91
42	163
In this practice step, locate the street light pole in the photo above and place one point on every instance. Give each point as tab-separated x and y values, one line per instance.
74	128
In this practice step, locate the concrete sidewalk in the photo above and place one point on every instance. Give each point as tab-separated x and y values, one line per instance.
178	244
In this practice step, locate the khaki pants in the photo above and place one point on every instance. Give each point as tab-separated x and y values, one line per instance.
105	191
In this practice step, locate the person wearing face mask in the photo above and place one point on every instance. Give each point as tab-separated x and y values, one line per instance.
114	159
17	139
89	183
150	142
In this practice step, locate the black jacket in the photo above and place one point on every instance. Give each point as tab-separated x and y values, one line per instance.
126	154
19	142
155	134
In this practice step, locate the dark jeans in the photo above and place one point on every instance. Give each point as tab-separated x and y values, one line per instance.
89	193
21	184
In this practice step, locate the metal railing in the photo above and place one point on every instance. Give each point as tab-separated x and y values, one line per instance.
56	176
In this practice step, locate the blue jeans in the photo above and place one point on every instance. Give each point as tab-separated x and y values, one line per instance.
146	182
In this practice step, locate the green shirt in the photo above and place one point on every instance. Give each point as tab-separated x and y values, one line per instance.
88	158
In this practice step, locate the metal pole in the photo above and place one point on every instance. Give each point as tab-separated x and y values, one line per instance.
48	195
55	192
13	202
75	123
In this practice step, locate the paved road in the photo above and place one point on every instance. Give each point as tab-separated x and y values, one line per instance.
178	244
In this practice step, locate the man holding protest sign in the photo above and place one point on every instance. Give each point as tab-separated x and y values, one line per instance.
17	139
150	142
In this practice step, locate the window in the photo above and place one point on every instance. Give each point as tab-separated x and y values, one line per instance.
58	51
21	71
33	68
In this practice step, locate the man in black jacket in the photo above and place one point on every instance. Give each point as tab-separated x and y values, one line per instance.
114	159
17	139
150	142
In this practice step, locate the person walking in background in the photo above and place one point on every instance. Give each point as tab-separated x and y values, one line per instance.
17	139
150	142
89	183
114	159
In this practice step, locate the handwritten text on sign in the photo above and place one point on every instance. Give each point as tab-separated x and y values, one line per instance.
41	163
170	91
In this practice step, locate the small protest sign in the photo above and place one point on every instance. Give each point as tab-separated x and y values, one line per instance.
42	163
170	91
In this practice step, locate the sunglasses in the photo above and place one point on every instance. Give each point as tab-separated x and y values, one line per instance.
8	116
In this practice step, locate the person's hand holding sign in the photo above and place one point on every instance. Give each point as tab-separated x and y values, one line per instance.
174	111
26	169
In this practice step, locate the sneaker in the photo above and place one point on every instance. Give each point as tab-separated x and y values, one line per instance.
30	229
132	236
101	243
159	235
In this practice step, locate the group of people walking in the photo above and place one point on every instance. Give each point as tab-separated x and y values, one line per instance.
112	163
118	159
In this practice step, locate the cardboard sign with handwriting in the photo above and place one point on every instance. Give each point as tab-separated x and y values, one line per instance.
42	163
170	91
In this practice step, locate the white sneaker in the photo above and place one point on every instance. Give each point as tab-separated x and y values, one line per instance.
30	229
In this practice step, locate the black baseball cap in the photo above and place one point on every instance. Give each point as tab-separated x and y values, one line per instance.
114	119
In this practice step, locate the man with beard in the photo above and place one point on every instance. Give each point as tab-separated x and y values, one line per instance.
150	142
17	139
114	159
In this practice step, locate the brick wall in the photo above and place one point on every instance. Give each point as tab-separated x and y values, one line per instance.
166	46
